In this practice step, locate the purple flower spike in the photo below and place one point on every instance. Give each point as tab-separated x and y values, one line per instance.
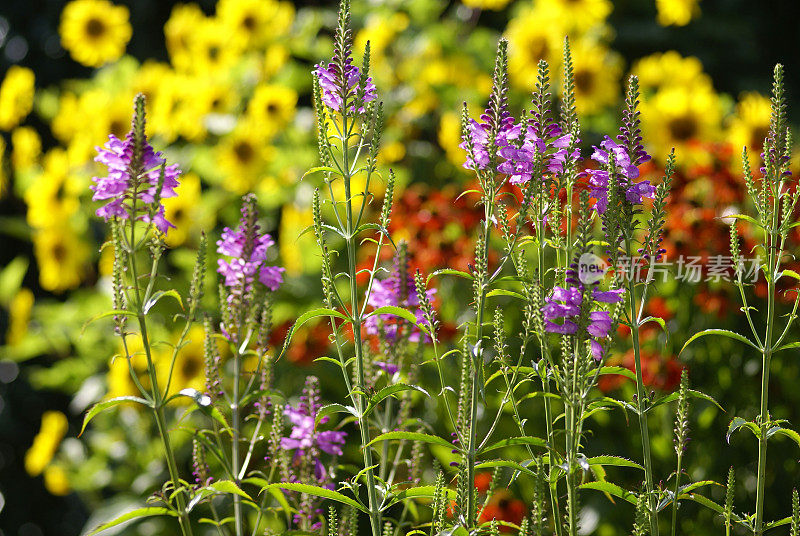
332	82
635	192
243	268
126	193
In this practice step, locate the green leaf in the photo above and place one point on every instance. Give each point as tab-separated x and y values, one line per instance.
621	371
203	403
305	317
616	461
229	487
397	311
11	279
746	218
326	169
790	273
412	436
690	392
657	320
113	312
331	409
610	488
172	293
391	390
788	346
791	434
450	271
110	403
515	441
737	423
510	464
317	491
724	333
504	292
149	511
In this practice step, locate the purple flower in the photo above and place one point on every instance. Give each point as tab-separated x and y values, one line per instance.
394	291
565	304
635	192
388	368
520	157
304	437
338	85
478	133
126	192
247	250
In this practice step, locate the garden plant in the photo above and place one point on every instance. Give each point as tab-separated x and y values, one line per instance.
332	378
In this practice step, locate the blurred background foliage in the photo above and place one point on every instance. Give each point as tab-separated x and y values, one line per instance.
228	88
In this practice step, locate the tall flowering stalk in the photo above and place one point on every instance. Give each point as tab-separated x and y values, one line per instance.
138	178
774	198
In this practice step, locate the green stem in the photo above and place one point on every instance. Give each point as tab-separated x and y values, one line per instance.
675	497
640	401
235	425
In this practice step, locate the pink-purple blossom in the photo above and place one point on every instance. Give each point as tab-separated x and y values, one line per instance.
340	85
247	257
127	194
394	291
627	173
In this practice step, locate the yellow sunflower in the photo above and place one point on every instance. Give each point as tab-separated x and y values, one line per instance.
185	211
242	157
119	378
669	69
94	32
750	125
494	5
180	30
16	96
189	369
294	247
27	146
56	480
677	12
578	15
275	58
449	137
179	108
61	256
533	35
597	71
54	426
213	48
53	197
256	22
19	316
272	107
680	117
3	178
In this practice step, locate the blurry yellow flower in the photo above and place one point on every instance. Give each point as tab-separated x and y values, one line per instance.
61	256
679	117
295	248
450	137
214	48
148	81
380	30
533	35
669	69
26	147
272	107
180	30
185	211
255	22
391	152
597	71
189	369
45	444
486	4
179	108
53	196
19	313
16	96
750	126
119	378
676	12
274	58
242	156
94	32
578	15
56	480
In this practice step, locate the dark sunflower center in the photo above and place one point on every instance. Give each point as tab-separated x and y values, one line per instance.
213	52
118	128
249	22
538	48
95	28
244	151
59	252
272	108
584	81
190	367
683	128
